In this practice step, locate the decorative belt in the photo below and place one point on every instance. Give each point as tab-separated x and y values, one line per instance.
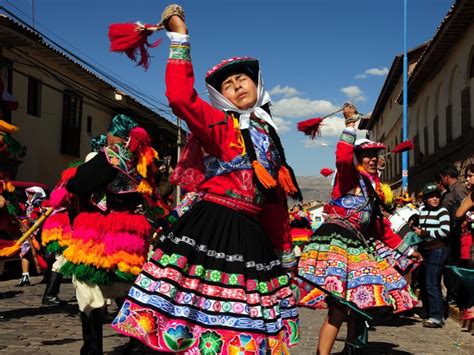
235	204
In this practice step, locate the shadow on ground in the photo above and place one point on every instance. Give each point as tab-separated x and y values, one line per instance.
70	309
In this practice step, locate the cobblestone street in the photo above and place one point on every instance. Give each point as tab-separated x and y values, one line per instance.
30	327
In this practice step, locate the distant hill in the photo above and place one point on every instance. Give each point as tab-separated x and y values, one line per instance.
315	187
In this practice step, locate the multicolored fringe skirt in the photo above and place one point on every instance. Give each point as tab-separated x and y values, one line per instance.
107	248
57	232
213	286
338	261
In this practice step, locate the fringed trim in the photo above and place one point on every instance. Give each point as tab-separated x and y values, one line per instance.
9	251
52	235
54	248
263	175
93	275
285	180
144	188
92	254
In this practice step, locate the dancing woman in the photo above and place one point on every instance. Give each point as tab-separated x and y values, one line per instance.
215	284
344	255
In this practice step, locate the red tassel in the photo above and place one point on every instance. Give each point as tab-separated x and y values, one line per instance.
139	139
403	147
68	174
326	172
310	127
130	38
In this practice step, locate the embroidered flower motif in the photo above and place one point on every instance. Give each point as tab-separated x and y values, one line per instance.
242	344
146	321
277	346
294	332
115	161
179	338
215	276
363	297
333	284
210	343
262	287
165	260
199	270
123	314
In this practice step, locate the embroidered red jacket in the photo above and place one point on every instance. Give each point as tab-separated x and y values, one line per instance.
221	138
347	181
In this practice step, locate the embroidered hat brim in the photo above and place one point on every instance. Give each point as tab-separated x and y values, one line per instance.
236	65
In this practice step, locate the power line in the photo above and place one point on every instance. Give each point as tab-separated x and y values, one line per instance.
126	87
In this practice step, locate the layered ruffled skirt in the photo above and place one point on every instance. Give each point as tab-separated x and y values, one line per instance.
213	286
107	248
338	261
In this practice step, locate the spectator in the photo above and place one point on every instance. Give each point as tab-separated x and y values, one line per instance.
455	193
465	216
433	229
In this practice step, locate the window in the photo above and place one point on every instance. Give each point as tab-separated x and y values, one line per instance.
89	125
6	77
71	125
34	97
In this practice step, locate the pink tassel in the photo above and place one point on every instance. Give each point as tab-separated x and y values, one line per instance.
310	127
403	147
58	197
129	38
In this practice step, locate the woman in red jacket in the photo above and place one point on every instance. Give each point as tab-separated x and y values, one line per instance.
344	256
215	284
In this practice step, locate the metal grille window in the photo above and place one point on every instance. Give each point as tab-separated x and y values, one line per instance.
34	97
71	125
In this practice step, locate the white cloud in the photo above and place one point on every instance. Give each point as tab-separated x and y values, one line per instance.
373	71
318	142
286	91
283	125
377	71
354	93
296	107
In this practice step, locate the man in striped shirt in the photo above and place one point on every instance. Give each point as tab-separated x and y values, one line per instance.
433	228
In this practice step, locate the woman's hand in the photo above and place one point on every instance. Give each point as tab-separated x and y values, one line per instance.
416	256
173	19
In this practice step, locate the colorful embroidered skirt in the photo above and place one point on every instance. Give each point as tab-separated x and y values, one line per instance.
213	286
337	261
107	248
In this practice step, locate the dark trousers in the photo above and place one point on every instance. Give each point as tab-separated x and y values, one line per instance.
434	262
451	281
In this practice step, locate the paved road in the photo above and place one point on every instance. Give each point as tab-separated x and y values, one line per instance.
29	327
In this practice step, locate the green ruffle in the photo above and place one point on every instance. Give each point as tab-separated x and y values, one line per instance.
94	275
54	247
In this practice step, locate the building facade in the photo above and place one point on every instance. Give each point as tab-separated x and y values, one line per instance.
63	104
440	98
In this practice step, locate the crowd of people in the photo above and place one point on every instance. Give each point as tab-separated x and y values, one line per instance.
222	275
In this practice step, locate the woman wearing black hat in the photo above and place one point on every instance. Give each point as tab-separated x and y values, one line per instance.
433	229
215	284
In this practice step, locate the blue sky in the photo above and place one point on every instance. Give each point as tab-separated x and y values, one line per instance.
314	54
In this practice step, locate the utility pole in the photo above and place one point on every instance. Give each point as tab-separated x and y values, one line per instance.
33	12
405	100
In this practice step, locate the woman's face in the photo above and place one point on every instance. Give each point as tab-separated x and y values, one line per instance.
240	90
433	200
369	159
111	140
470	179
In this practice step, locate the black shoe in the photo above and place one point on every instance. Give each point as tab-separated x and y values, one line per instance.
51	291
24	281
52	301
